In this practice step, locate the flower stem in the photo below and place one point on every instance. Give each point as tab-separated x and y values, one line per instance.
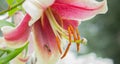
12	7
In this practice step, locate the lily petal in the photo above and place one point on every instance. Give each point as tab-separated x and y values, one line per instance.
33	9
18	17
67	23
79	9
2	42
46	3
45	43
19	35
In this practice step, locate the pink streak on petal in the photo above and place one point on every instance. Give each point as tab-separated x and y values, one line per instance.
69	11
82	3
45	43
44	37
20	34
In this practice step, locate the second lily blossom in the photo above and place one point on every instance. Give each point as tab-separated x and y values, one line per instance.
49	21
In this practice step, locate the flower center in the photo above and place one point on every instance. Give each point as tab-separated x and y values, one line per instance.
71	34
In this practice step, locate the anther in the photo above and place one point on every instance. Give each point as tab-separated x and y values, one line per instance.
66	51
78	34
69	34
78	38
78	47
68	47
58	44
73	32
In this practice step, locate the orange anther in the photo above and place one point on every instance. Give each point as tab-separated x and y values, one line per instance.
73	32
78	34
58	44
68	47
70	40
78	37
78	47
69	31
71	28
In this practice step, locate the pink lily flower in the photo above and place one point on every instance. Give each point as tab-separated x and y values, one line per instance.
49	21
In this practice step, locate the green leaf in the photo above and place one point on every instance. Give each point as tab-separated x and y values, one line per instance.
10	2
1	53
6	23
13	11
18	1
8	8
13	54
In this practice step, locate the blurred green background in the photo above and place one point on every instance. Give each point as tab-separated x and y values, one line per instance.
103	32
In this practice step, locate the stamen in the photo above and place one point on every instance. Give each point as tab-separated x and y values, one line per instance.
58	18
58	44
78	47
66	51
78	34
68	47
78	37
42	20
73	32
55	26
70	34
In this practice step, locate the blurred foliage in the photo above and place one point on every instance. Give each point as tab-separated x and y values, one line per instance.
3	5
10	6
103	32
7	54
6	23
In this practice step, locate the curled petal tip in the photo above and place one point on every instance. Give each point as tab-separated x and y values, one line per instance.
15	37
46	3
34	10
83	9
104	9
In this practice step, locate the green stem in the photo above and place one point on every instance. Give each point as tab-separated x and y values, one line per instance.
12	7
10	56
